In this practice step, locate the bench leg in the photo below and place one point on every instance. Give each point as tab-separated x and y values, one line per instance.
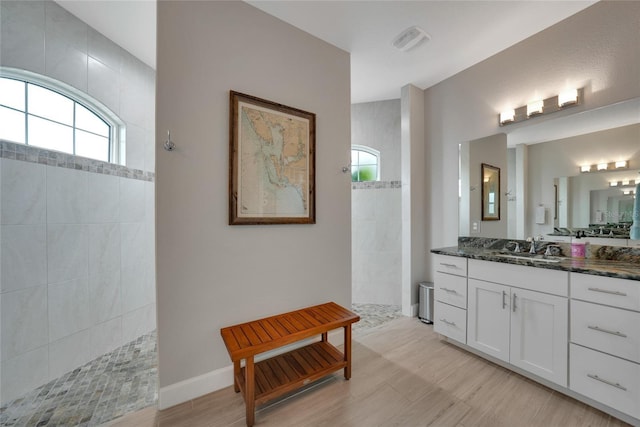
249	390
347	351
325	336
236	374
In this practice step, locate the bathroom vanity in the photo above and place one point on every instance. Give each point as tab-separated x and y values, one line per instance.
569	324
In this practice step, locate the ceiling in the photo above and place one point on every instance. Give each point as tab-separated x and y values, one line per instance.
462	33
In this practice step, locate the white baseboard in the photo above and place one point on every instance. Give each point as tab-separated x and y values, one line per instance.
186	390
192	388
414	310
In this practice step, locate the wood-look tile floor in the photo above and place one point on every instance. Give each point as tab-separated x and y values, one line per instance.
403	375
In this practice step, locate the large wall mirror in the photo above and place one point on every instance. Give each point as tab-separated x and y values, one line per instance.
542	188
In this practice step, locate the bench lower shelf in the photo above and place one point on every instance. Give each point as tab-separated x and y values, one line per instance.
294	369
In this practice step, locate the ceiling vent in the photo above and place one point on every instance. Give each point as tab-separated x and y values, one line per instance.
410	38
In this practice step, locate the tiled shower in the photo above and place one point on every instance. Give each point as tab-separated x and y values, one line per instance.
77	276
376	222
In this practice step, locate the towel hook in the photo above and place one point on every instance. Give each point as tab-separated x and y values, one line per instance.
168	144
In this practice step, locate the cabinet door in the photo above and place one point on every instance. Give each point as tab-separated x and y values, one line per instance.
539	334
488	318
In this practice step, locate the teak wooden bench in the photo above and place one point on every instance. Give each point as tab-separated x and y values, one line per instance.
265	380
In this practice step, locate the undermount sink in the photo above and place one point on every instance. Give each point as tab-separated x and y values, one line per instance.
530	257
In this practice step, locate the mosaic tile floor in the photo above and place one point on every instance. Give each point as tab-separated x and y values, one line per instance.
372	315
116	383
122	381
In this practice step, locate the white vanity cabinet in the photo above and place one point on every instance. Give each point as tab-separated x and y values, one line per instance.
450	294
605	341
520	315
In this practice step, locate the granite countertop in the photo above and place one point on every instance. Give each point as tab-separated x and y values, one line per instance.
625	268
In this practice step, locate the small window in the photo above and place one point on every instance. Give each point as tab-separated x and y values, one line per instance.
38	111
365	164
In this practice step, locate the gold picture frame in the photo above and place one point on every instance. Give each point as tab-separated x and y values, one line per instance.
271	163
490	193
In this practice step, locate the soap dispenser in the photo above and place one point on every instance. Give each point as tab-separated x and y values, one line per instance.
578	246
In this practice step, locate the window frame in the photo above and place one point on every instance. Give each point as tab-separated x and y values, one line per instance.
373	152
117	129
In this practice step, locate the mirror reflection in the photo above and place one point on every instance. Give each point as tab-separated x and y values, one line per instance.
545	192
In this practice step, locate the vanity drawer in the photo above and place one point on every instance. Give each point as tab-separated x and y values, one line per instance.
450	321
451	264
451	289
606	379
607	329
606	290
538	279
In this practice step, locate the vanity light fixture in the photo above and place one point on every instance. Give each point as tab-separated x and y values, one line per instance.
585	168
602	166
613	184
534	108
507	116
566	99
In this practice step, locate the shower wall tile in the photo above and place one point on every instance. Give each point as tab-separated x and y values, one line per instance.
105	51
132	200
67	252
103	83
68	353
150	151
22	192
22	35
105	296
103	199
106	337
134	101
24	373
24	256
136	140
65	26
65	63
138	322
363	204
67	193
136	290
104	248
69	308
24	321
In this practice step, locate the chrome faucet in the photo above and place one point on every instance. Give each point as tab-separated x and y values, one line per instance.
517	248
550	250
532	248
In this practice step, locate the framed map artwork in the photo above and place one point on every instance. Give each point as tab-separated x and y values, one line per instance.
271	163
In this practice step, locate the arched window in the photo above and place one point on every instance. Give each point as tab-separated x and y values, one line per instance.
42	112
365	164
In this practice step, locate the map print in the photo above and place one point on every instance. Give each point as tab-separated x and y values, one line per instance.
273	173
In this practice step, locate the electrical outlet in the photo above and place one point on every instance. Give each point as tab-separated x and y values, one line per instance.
475	227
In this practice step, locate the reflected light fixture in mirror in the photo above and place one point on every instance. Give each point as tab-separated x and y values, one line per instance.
602	167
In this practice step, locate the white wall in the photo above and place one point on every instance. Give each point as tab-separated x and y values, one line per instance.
415	262
376	207
76	236
210	274
596	49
